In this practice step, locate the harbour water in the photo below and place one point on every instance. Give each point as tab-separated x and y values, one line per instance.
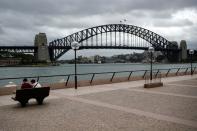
6	72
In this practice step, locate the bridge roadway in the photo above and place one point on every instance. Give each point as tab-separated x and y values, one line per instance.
122	106
17	47
23	49
84	47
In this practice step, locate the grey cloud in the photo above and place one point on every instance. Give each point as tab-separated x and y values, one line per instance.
191	33
16	21
191	44
165	14
62	17
169	23
88	7
1	30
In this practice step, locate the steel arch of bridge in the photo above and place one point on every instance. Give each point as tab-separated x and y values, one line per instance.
60	46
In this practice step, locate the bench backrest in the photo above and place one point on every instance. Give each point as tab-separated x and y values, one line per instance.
32	93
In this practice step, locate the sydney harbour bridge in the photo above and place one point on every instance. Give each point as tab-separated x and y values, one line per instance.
110	36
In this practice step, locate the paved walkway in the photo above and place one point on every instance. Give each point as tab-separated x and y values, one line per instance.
120	106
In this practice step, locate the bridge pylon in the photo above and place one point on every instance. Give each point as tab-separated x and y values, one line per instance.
42	53
183	52
173	56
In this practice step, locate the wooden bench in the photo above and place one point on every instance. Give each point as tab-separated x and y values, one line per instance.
23	95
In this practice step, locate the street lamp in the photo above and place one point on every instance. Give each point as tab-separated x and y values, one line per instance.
191	52
151	50
75	46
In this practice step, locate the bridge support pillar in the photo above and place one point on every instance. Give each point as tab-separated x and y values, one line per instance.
42	53
51	54
173	56
183	52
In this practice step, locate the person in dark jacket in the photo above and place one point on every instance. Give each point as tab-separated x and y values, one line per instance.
25	84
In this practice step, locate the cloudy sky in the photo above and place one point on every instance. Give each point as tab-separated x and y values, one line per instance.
20	20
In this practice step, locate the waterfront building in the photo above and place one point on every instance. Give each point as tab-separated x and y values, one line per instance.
9	61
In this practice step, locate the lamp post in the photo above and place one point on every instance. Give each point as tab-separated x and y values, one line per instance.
191	52
151	50
75	46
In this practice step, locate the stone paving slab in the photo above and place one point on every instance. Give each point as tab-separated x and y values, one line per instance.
187	82
63	114
180	107
164	93
179	78
119	106
173	88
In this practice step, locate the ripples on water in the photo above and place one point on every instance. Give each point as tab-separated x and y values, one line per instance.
82	68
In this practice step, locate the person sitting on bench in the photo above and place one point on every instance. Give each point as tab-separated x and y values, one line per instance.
25	84
35	84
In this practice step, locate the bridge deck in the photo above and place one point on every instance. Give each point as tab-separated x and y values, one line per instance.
120	106
18	47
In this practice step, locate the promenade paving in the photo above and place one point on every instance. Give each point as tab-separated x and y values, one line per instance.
122	106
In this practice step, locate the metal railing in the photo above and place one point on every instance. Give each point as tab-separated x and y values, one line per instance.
162	72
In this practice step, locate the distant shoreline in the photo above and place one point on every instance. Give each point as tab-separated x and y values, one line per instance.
57	64
38	65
